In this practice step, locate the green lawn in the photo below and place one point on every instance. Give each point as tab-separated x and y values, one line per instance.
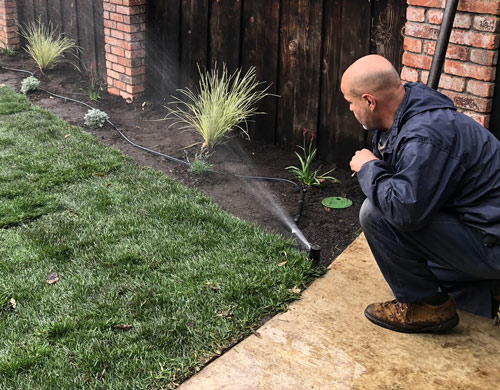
154	277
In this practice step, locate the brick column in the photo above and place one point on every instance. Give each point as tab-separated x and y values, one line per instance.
9	37
124	37
471	58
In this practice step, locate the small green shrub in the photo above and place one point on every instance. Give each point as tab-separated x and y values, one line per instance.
30	83
200	166
95	118
223	102
44	45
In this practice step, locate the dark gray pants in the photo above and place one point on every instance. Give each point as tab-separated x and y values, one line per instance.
445	255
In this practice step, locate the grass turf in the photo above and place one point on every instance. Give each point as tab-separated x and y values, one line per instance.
155	279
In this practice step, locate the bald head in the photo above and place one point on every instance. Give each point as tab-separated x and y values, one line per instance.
371	74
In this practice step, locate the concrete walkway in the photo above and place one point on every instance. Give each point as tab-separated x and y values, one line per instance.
324	342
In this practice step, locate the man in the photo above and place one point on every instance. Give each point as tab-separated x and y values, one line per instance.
432	213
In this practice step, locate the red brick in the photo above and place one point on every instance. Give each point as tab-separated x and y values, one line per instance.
109	24
134	89
435	16
469	102
417	61
134	2
483	57
480	88
106	15
409	74
119	2
451	83
109	7
453	51
135	10
482	119
135	71
419	30
414	45
116	17
424	75
113	91
117	34
131	62
111	57
475	39
486	23
427	3
478	72
480	6
118	68
118	51
120	85
414	14
131	28
113	74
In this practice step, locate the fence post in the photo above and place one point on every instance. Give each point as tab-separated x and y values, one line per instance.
9	37
124	38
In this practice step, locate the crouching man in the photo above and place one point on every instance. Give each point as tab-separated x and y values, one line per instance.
432	213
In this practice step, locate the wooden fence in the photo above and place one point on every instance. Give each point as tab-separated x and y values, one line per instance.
301	47
81	20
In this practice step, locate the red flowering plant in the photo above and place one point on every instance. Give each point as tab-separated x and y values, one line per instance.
305	173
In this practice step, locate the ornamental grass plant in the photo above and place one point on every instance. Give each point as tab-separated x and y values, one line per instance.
45	45
222	103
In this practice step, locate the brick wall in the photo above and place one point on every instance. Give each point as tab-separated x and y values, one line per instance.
470	65
124	37
9	37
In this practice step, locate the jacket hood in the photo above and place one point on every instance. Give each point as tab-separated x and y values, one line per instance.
420	98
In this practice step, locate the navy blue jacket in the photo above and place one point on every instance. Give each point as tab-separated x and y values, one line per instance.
435	159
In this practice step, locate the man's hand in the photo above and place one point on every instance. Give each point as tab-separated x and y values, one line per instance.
360	158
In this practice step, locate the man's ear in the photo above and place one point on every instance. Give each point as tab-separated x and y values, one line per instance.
369	100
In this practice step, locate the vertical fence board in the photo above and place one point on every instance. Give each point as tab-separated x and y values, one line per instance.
163	48
386	35
86	39
68	12
300	50
54	10
355	43
194	42
331	95
25	13
260	43
225	18
40	10
99	38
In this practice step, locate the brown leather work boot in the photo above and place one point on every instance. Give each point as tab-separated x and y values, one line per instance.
417	317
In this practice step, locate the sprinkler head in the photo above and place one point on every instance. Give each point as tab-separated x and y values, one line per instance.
314	253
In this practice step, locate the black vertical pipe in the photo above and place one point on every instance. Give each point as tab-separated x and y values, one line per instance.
442	43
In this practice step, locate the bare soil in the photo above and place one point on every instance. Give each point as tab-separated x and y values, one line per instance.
264	203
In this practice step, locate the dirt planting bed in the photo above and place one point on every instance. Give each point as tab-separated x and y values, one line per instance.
261	202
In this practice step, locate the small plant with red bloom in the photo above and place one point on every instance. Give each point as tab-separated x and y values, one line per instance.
305	174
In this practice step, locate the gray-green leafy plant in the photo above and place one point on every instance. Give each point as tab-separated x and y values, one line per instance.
200	166
95	118
222	103
6	50
30	83
45	45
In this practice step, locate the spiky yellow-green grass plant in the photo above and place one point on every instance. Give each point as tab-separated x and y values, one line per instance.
223	102
45	45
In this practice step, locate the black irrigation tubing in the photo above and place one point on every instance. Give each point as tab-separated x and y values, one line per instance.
260	178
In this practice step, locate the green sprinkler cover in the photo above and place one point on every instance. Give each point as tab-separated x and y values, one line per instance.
336	202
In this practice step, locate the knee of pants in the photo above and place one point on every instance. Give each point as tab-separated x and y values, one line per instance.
369	215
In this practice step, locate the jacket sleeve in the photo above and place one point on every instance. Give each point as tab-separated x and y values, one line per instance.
411	192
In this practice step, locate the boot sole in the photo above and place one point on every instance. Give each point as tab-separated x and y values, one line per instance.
443	327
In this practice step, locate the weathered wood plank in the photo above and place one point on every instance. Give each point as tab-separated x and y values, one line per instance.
25	11
162	48
225	18
99	38
331	96
68	15
348	135
260	43
86	38
194	41
388	20
40	10
54	12
300	49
